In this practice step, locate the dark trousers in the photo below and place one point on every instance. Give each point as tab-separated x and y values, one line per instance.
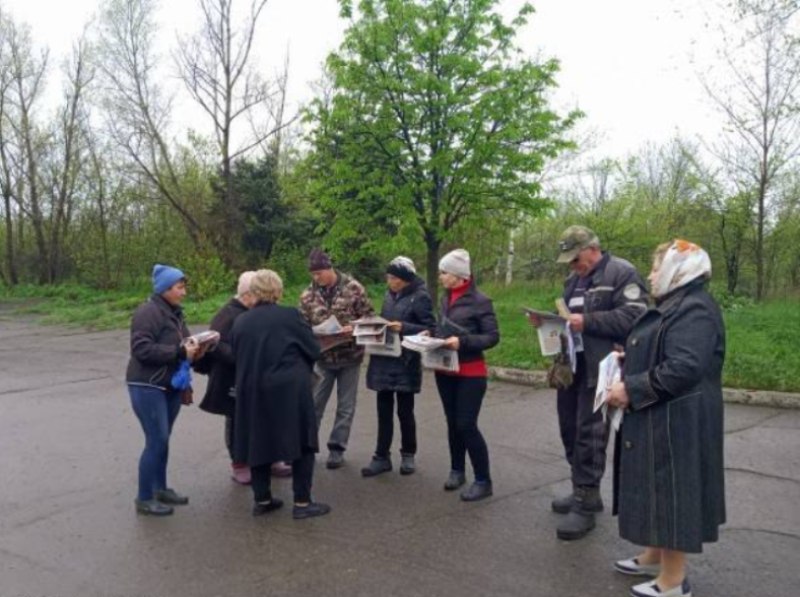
583	432
156	410
408	426
461	399
302	475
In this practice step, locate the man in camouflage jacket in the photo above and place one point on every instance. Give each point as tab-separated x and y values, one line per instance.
333	293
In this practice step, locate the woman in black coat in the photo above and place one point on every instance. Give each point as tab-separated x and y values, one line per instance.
469	325
275	353
669	476
407	305
220	367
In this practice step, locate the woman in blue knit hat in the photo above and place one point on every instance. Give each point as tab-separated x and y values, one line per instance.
158	380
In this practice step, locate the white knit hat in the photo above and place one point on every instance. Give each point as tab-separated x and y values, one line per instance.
456	262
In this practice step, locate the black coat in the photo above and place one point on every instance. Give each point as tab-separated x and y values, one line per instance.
220	363
668	474
275	353
413	307
157	330
471	317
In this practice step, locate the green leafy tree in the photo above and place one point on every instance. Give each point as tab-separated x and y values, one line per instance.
433	117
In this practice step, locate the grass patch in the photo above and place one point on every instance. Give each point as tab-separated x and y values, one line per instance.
761	338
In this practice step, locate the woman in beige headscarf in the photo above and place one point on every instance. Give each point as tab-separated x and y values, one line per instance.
668	475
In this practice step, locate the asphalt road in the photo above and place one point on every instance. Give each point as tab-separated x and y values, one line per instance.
69	445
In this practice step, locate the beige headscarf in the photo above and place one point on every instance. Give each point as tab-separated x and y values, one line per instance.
683	262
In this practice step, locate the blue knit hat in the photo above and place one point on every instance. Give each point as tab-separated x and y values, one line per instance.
165	276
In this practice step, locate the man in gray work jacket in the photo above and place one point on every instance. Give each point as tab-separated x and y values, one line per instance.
605	295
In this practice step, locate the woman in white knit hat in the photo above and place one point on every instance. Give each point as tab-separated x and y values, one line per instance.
468	322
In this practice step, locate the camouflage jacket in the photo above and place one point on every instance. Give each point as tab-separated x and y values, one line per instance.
348	301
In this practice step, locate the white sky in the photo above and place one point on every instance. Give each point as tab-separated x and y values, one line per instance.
626	63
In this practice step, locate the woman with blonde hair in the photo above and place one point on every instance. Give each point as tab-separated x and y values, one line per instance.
275	420
669	489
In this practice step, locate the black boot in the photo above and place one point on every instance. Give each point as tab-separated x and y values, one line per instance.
580	520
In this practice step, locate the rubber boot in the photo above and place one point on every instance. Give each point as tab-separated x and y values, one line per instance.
580	520
563	505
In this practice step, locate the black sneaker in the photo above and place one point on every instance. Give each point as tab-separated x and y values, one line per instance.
153	508
259	509
376	466
171	497
310	511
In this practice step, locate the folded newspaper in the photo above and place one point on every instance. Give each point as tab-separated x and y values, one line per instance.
390	348
207	340
434	355
420	343
370	331
550	330
329	327
329	334
368	326
608	372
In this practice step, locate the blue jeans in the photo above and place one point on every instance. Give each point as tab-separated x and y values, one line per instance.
156	410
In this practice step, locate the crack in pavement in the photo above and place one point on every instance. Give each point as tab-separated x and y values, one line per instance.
52	385
725	529
760	474
754	425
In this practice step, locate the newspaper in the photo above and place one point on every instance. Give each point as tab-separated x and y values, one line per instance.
370	331
550	330
207	340
369	325
329	334
608	373
434	355
372	339
422	343
390	348
329	327
442	359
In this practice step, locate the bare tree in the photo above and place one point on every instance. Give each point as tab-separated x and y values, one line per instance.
26	76
215	65
138	111
67	153
760	106
6	171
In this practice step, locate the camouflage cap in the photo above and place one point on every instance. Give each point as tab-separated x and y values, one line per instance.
573	240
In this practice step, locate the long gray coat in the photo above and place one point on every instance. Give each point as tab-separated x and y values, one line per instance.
668	474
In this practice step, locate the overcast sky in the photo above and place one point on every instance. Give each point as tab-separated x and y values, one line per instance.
631	65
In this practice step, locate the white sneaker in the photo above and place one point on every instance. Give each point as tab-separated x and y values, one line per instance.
650	589
632	567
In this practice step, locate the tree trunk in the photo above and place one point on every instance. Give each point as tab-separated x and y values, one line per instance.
432	268
11	262
510	259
